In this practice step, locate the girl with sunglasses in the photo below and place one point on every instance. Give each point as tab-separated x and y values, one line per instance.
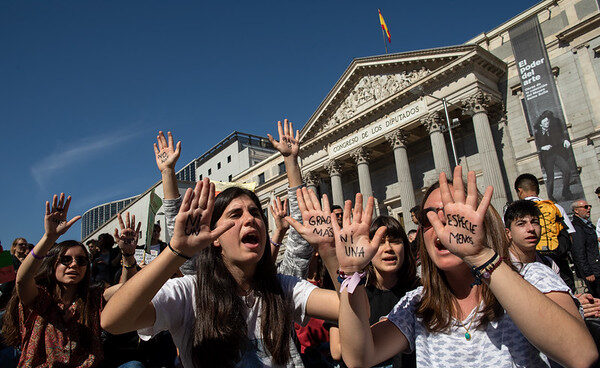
54	316
473	309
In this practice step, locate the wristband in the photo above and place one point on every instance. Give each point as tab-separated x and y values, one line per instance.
129	267
177	253
275	244
485	270
351	282
36	256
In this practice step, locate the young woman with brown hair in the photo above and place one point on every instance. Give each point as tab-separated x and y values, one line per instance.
473	309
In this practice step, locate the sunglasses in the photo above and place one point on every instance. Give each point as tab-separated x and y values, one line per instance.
79	260
587	206
422	217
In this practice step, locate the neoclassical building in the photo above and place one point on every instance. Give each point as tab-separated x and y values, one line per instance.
382	129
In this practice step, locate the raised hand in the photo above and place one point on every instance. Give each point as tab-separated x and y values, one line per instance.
288	145
279	211
315	227
128	238
353	247
166	153
192	224
55	220
459	226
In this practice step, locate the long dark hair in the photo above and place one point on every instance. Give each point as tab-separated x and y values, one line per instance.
87	305
220	330
407	274
438	304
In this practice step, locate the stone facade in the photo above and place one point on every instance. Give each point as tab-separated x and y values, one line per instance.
382	130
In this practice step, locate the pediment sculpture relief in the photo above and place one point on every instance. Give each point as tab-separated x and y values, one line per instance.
370	90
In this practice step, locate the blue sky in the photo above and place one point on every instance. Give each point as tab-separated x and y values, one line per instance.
86	85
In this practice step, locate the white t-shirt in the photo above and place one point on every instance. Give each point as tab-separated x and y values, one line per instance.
176	311
501	344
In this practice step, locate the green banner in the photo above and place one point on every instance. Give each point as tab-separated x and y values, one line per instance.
7	271
155	204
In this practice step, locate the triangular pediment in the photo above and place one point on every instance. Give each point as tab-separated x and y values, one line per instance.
371	81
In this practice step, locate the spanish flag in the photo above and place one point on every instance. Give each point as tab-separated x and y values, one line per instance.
384	27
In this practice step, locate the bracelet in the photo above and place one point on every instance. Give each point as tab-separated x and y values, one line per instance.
36	256
134	265
275	244
177	253
485	270
351	282
128	254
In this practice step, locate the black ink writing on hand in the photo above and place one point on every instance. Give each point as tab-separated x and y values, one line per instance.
344	238
460	238
354	252
163	157
460	221
326	232
192	225
319	220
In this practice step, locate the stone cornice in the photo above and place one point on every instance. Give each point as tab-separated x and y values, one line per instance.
578	29
471	55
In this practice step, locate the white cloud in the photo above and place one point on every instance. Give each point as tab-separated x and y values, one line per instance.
79	152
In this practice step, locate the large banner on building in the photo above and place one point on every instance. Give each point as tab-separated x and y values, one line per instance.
544	113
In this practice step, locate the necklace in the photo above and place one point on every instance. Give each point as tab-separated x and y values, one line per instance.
468	334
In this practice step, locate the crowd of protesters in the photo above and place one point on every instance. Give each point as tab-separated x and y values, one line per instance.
470	287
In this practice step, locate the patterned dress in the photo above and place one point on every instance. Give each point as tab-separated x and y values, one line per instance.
52	336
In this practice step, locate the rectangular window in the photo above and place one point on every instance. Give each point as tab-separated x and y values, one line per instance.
209	172
261	178
230	178
229	158
281	168
200	177
218	165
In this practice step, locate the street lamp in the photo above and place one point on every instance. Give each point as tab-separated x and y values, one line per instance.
418	90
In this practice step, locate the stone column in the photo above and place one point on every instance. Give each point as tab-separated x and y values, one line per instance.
311	179
361	157
477	106
590	82
334	168
433	124
397	140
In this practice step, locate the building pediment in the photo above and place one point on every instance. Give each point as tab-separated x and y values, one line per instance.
372	82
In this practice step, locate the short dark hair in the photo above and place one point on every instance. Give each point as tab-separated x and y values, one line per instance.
105	241
527	182
416	209
336	207
597	191
519	209
411	231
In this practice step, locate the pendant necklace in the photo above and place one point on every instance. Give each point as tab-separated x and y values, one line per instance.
468	334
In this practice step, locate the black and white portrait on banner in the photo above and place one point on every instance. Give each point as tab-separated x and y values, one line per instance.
544	113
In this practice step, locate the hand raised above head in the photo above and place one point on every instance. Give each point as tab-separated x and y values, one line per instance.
55	219
288	145
192	225
353	247
315	227
166	152
279	212
128	238
462	232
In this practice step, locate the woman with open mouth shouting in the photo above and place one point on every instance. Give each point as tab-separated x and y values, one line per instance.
473	309
236	311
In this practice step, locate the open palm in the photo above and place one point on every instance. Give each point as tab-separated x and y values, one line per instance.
166	152
288	144
55	219
353	247
315	227
192	225
127	239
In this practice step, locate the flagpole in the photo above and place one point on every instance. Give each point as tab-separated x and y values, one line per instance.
384	40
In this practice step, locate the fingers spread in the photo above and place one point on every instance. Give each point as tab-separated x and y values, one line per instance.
471	189
315	201
280	131
73	220
187	200
170	136
219	230
358	208
156	150
47	208
307	199
379	234
485	201
347	213
121	223
61	201
295	224
445	190
458	185
54	202
326	207
435	221
368	214
301	203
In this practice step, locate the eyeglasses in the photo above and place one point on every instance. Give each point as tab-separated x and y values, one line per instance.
587	207
79	260
422	217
